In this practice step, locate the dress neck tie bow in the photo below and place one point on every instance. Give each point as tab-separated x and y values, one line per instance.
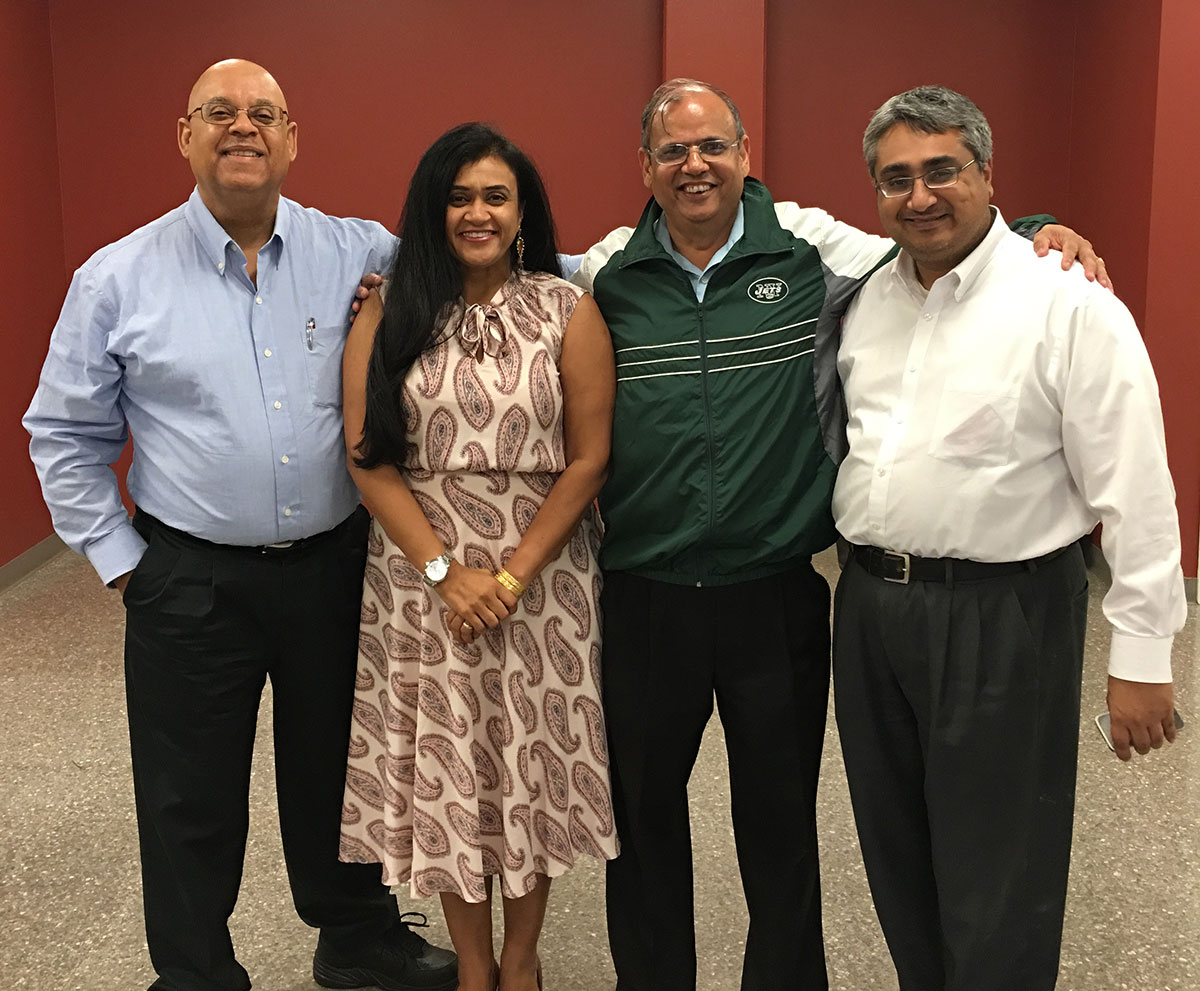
481	331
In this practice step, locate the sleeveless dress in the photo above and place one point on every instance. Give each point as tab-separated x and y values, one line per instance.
470	761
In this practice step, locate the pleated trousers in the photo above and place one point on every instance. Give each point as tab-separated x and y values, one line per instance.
958	711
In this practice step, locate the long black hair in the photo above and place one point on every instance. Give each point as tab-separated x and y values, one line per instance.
425	277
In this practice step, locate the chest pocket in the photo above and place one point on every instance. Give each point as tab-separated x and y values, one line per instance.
324	340
973	426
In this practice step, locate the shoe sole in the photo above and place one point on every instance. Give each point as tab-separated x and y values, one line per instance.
347	978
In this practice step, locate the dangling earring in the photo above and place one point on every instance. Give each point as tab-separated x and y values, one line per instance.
520	251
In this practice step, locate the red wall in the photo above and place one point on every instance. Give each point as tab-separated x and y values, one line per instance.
1172	326
371	84
1112	140
692	48
32	280
827	74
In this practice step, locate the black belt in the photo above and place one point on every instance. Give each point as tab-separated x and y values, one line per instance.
896	566
144	521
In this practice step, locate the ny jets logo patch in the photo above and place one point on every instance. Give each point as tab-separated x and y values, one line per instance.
769	290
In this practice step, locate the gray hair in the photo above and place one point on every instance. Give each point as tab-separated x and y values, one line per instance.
931	110
672	92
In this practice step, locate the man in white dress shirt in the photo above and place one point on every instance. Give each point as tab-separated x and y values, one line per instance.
998	407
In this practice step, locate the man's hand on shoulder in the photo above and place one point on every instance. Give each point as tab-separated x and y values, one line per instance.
1074	248
372	280
1142	714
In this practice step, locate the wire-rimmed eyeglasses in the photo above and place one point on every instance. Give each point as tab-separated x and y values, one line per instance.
223	112
939	178
676	153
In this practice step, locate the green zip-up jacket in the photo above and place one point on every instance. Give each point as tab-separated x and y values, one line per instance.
729	421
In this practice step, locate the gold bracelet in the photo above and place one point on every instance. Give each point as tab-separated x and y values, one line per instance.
509	582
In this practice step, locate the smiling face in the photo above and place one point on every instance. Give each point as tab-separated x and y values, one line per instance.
938	228
482	219
697	195
241	159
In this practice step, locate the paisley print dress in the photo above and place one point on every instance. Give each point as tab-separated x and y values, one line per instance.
466	762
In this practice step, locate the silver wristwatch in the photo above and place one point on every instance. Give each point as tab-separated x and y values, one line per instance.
436	570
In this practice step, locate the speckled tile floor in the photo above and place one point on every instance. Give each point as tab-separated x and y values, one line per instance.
70	913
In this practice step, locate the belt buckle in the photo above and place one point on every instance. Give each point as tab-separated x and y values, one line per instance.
906	566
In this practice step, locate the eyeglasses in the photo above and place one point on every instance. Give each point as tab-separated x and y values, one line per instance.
220	112
939	178
676	153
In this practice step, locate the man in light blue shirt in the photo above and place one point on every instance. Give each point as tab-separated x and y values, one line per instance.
213	336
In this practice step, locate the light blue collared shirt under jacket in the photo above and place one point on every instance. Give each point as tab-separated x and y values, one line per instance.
232	392
696	276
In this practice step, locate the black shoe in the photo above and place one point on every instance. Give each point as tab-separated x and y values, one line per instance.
399	960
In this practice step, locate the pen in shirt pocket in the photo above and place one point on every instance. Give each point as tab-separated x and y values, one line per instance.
308	332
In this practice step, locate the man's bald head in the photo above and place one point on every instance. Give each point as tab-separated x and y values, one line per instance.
233	72
239	161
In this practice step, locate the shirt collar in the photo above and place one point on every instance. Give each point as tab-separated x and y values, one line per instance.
964	274
664	238
215	241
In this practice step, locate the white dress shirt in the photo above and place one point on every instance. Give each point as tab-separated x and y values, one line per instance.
998	416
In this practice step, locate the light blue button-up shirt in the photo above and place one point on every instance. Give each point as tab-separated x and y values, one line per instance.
231	391
699	276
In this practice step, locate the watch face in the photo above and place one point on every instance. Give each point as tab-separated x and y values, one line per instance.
437	569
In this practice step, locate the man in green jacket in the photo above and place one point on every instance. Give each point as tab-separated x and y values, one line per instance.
729	423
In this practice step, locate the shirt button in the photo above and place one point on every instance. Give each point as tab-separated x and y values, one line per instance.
220	266
258	302
927	316
267	353
284	459
278	404
287	511
875	526
882	472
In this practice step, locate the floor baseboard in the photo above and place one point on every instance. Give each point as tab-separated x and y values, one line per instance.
31	560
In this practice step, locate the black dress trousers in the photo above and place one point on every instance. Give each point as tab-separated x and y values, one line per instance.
206	624
762	649
958	711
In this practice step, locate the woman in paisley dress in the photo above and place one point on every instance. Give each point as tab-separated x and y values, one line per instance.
478	404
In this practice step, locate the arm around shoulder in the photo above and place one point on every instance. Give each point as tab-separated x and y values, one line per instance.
598	255
845	249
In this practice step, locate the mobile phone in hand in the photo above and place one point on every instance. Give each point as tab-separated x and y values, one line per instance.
1103	724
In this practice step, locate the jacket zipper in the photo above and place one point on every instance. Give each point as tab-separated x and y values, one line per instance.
708	428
